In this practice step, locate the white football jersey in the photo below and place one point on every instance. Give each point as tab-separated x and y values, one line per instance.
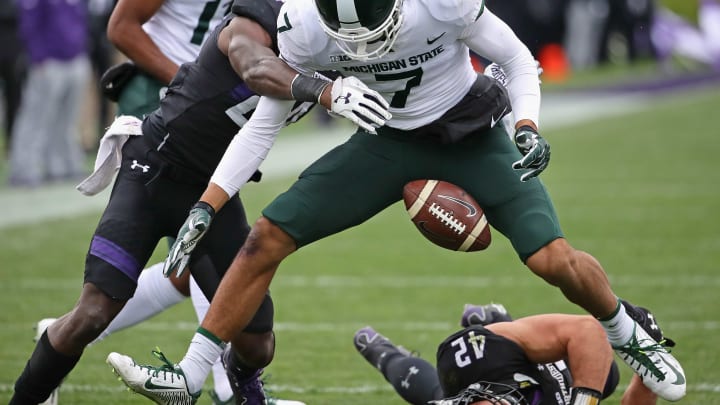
427	71
179	27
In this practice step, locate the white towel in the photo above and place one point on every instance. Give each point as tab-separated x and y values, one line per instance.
109	154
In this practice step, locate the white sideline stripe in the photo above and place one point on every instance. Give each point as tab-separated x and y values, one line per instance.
517	279
359	389
291	153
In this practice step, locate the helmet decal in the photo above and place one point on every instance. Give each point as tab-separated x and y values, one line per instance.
363	29
347	14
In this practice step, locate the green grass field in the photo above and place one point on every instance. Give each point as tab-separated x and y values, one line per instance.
641	192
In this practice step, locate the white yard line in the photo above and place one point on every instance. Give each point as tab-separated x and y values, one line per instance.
390	281
292	152
321	389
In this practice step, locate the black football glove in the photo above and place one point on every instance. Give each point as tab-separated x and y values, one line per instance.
114	80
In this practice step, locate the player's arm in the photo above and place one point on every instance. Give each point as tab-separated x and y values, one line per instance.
243	157
578	339
249	49
492	38
125	32
247	151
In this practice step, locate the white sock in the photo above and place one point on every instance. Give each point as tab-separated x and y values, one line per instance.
200	303
220	379
155	293
221	384
619	327
199	359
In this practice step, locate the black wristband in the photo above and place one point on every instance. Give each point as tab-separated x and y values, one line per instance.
306	88
205	206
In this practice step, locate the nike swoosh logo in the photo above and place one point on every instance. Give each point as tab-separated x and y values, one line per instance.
424	229
150	386
494	121
432	41
471	210
679	378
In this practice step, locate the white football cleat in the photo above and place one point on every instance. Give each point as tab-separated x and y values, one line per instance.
164	385
651	361
39	330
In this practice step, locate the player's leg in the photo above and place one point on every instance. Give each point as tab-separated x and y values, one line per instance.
413	378
60	347
123	241
252	348
308	211
222	392
524	213
254	345
155	293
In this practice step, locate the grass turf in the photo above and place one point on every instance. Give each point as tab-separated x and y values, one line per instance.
640	192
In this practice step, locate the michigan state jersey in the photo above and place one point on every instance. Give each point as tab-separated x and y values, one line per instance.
476	354
179	27
427	72
207	102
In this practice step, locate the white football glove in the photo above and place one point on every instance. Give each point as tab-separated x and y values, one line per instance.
363	106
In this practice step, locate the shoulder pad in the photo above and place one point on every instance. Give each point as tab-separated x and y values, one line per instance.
460	11
264	12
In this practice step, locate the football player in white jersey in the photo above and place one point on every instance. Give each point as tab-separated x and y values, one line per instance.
157	36
415	53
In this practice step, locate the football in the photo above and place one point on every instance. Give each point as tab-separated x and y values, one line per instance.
446	215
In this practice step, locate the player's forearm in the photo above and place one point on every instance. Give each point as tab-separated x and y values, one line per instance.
135	43
250	146
270	76
215	196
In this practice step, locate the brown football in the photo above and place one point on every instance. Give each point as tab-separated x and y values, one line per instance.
446	215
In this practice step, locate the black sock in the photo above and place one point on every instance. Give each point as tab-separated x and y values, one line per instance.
42	374
413	378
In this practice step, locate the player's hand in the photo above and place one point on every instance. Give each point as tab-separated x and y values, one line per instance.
353	100
535	150
194	228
